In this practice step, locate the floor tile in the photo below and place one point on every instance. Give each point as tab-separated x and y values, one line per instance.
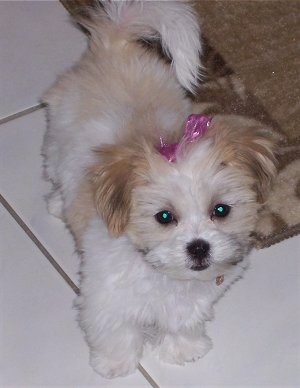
256	330
40	342
37	42
22	186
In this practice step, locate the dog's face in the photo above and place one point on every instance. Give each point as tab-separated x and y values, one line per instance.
191	219
195	218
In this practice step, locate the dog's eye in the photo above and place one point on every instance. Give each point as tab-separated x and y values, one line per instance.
164	217
221	210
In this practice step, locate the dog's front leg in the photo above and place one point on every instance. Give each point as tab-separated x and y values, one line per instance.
115	351
184	346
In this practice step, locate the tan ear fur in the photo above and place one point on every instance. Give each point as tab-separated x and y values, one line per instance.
120	169
249	146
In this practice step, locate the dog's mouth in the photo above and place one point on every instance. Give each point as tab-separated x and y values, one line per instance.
199	267
143	251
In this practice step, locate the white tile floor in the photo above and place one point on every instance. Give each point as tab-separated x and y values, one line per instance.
256	332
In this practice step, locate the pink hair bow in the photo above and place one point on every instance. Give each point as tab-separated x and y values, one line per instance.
195	127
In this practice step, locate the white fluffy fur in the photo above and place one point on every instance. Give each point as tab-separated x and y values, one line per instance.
137	282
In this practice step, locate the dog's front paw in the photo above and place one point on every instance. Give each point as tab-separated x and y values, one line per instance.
110	368
180	349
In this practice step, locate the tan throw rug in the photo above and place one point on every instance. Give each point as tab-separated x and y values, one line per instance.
252	65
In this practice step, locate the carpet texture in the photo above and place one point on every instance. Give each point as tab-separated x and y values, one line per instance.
252	60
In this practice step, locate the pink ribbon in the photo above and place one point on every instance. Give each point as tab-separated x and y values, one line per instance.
195	127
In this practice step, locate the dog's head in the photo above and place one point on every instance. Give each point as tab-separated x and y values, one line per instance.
192	218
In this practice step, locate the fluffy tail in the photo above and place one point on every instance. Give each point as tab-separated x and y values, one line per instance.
174	21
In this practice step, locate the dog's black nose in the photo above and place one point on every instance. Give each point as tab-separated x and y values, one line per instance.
198	251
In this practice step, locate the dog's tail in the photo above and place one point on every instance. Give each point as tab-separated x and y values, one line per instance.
173	21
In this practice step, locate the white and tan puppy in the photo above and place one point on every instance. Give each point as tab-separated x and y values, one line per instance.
162	203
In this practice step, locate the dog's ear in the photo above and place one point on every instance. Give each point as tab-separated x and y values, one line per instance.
248	145
119	170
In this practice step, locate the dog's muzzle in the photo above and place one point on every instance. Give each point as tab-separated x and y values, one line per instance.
198	252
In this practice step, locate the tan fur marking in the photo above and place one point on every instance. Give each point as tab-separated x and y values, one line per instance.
251	149
120	169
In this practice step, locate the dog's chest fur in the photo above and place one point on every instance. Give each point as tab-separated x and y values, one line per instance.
155	302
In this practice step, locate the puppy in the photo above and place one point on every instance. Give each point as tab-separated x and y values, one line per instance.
162	202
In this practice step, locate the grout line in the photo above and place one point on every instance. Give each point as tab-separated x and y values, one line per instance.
147	376
58	268
22	113
39	245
